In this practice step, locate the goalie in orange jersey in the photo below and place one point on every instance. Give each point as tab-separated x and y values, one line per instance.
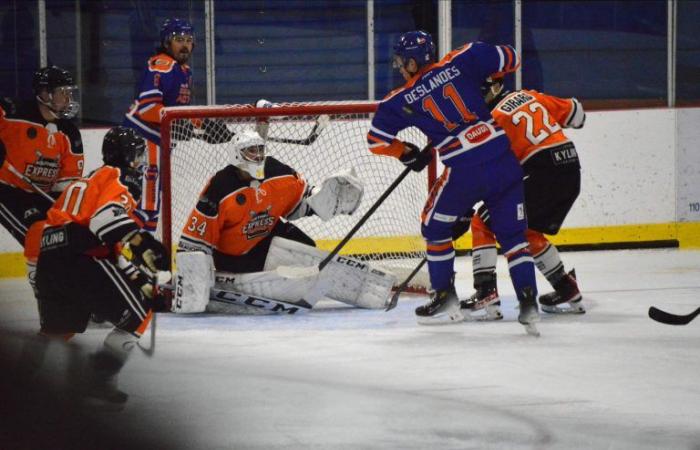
81	269
533	123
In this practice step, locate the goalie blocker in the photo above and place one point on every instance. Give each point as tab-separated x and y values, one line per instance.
291	270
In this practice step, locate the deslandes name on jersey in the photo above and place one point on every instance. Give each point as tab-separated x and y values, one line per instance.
424	88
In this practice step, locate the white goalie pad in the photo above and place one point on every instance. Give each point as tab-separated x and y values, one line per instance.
260	292
352	281
338	194
193	280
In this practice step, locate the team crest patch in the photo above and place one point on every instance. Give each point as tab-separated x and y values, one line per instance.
260	224
240	199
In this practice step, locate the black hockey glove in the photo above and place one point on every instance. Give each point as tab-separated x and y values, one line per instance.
416	159
215	131
462	225
3	153
149	253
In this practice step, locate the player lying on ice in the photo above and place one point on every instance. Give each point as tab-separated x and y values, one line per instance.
239	252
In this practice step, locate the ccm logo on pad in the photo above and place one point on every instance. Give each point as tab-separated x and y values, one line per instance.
478	133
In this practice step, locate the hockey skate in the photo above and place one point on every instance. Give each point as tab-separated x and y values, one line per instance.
484	299
442	308
102	393
565	292
100	390
529	315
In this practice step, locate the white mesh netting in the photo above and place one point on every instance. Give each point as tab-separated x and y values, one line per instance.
391	236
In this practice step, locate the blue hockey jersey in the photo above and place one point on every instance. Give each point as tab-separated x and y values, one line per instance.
445	102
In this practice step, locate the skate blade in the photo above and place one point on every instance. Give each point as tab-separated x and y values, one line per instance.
576	308
444	318
101	405
531	329
489	315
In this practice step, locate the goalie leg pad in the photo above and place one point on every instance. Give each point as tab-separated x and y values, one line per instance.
353	282
194	278
268	285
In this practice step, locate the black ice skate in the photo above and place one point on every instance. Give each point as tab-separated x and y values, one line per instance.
442	308
565	292
528	312
101	386
102	393
484	299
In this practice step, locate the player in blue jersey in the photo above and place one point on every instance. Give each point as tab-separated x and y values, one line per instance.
443	99
166	81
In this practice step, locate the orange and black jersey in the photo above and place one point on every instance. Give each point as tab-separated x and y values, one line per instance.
103	203
233	215
48	153
533	121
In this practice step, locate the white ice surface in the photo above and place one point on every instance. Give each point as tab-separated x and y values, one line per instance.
344	378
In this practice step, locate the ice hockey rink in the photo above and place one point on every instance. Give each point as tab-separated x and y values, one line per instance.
344	378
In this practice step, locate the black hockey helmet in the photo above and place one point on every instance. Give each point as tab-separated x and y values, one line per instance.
51	78
123	147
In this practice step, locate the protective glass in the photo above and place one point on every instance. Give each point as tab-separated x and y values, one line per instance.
140	160
63	101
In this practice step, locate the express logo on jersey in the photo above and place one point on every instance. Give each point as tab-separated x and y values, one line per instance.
43	171
260	224
478	133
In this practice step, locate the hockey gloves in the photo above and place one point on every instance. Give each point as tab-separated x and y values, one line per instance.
462	225
416	159
149	253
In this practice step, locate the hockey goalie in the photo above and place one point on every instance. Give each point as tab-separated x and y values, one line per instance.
240	253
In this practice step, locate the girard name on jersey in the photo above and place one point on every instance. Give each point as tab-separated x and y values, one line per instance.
515	102
422	89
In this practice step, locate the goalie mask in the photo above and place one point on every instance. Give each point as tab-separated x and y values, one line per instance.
248	153
54	87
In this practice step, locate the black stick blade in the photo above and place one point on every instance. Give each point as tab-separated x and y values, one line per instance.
672	319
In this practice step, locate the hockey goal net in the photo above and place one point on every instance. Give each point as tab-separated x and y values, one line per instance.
317	140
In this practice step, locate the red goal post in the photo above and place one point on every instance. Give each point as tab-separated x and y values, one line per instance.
391	237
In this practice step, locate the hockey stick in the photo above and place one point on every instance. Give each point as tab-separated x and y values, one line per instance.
151	350
395	298
321	123
672	319
323	284
26	179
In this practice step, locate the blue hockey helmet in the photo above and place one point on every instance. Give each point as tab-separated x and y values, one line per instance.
417	45
174	27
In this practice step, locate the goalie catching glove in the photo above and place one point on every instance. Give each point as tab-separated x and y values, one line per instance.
338	194
416	159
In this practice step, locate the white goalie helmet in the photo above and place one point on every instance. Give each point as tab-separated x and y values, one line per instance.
248	153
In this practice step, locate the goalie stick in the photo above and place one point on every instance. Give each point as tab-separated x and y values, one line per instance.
395	298
672	319
323	284
321	123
